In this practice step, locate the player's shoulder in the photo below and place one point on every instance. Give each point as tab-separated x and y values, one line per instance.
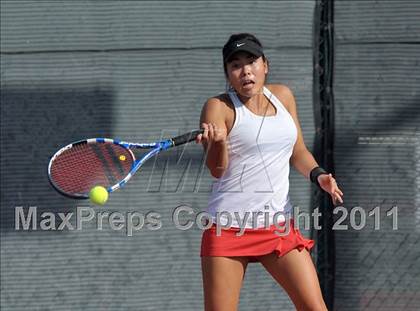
280	89
218	103
218	109
283	93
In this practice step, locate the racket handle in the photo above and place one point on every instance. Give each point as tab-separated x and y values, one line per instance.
187	137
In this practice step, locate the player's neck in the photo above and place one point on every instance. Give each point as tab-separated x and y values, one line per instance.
256	102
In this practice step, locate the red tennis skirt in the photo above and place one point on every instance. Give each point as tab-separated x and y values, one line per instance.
253	242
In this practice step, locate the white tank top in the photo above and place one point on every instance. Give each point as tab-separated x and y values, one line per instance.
257	177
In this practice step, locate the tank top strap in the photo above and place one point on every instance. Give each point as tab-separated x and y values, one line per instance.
240	111
274	100
235	99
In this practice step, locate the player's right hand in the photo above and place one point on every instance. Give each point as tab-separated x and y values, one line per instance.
212	134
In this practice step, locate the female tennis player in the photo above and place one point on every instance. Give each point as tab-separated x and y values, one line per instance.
251	134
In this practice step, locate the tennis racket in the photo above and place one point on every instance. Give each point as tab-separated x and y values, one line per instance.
76	168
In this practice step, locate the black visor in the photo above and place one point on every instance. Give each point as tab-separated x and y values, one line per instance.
242	46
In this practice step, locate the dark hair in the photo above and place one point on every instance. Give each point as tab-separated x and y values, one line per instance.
241	37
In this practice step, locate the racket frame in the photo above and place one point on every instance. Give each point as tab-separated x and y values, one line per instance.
137	163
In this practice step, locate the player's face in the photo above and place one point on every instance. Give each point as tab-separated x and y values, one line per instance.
246	73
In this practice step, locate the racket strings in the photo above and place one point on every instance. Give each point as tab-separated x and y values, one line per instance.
76	170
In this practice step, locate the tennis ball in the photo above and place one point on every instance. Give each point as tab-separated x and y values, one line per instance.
98	195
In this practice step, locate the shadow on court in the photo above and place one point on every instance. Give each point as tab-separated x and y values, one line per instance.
34	124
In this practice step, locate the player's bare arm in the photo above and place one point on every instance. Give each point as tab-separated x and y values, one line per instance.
213	122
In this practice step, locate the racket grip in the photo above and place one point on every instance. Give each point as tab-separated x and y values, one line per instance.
187	137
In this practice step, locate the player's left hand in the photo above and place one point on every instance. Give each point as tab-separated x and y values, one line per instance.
328	184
